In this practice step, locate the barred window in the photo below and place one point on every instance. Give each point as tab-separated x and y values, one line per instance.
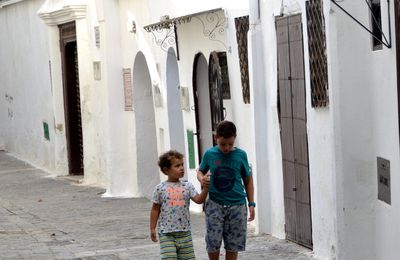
317	52
242	27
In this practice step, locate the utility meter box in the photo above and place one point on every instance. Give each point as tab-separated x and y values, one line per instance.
185	105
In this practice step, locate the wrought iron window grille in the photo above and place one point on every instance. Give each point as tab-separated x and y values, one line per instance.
387	42
318	56
242	27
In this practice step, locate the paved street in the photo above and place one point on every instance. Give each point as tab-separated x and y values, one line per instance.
57	218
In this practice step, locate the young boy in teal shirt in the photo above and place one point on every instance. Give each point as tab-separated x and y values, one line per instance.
230	182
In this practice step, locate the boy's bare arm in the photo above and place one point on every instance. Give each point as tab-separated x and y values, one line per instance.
154	214
200	198
249	186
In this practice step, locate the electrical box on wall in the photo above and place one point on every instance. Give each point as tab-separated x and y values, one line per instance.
383	167
97	70
158	102
185	98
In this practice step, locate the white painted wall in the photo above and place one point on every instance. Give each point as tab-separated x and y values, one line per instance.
25	85
145	128
175	117
344	139
319	123
367	127
93	94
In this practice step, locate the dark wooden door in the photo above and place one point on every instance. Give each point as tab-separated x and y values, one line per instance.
397	23
72	107
293	123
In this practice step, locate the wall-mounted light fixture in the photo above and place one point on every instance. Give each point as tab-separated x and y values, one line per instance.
158	102
133	30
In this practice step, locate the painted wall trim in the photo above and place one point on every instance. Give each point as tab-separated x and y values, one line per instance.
4	3
66	14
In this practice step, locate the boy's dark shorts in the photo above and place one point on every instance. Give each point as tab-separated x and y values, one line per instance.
228	223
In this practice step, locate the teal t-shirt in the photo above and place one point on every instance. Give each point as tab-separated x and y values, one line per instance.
227	173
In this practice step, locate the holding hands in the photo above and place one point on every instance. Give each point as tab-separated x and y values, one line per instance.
205	180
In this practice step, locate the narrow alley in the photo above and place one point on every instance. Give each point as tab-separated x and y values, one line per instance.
44	217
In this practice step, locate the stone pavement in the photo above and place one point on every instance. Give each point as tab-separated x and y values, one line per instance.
56	218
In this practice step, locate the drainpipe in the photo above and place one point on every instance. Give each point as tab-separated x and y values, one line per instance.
259	121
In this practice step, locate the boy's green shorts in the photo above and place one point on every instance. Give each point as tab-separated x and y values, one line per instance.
177	245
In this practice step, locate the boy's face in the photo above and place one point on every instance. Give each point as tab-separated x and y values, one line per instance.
176	171
226	145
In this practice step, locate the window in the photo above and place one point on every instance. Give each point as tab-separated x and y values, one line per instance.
242	27
318	57
376	24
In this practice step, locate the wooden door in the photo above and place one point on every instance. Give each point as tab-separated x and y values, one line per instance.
72	107
293	123
397	23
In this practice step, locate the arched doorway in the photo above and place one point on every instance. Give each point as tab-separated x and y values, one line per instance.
145	128
202	104
216	92
72	101
175	118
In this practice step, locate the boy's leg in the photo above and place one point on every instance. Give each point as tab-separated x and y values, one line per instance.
167	247
214	223
185	245
235	230
230	255
213	256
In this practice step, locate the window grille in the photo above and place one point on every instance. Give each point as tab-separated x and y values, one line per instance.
376	24
223	63
242	27
317	53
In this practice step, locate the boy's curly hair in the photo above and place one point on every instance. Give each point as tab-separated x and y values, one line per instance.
164	161
226	129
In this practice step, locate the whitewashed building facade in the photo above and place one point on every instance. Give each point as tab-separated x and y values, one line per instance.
326	95
101	88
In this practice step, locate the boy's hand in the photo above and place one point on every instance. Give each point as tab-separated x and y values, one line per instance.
205	180
252	213
153	235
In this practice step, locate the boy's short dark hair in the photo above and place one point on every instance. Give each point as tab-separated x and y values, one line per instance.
164	161
226	129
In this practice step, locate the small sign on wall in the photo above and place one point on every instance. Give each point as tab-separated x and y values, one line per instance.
128	89
97	36
383	167
46	131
